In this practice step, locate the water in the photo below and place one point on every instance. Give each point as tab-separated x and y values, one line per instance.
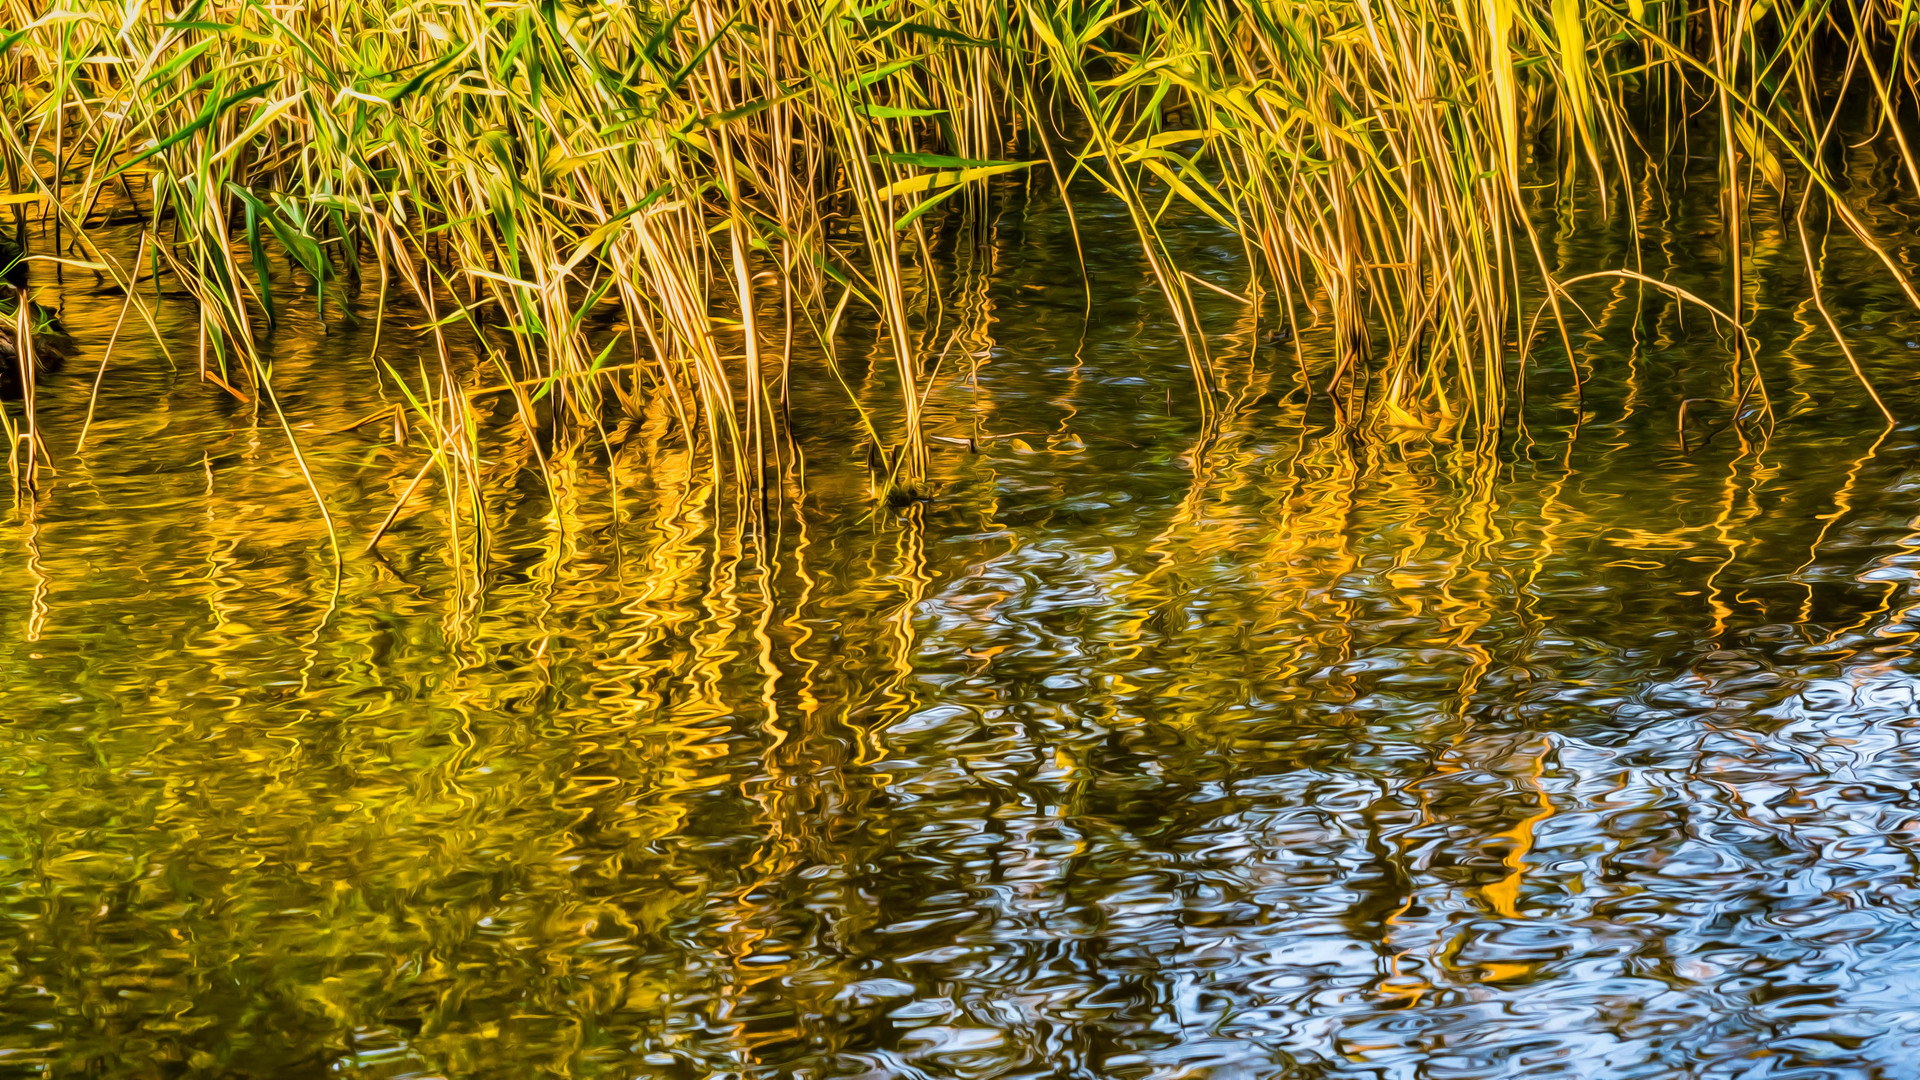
1131	755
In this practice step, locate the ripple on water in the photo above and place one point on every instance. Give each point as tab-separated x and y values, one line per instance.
1132	755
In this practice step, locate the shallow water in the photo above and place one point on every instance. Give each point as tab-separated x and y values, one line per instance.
1131	755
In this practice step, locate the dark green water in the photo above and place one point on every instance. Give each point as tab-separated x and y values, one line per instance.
1129	756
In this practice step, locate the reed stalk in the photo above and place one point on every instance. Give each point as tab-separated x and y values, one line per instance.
640	207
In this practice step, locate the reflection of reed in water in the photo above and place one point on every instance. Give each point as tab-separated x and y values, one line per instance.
1130	749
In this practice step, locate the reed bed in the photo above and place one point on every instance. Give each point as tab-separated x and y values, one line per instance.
672	208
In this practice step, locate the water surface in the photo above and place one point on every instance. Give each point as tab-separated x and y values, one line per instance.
1274	753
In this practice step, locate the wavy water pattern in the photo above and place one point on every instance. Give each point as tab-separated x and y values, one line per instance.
1140	751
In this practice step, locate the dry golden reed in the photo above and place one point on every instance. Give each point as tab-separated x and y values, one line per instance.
732	177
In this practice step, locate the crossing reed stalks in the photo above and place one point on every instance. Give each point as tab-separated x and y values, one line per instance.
723	179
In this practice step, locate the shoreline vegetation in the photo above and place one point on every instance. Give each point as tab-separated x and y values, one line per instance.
674	208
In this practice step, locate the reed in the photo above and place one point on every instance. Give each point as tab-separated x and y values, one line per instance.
638	207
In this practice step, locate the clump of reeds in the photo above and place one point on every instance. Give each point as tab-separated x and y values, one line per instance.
512	167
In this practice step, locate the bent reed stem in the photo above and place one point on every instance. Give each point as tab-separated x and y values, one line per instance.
518	168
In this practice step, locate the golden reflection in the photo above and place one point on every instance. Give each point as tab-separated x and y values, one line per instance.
1503	896
1225	744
